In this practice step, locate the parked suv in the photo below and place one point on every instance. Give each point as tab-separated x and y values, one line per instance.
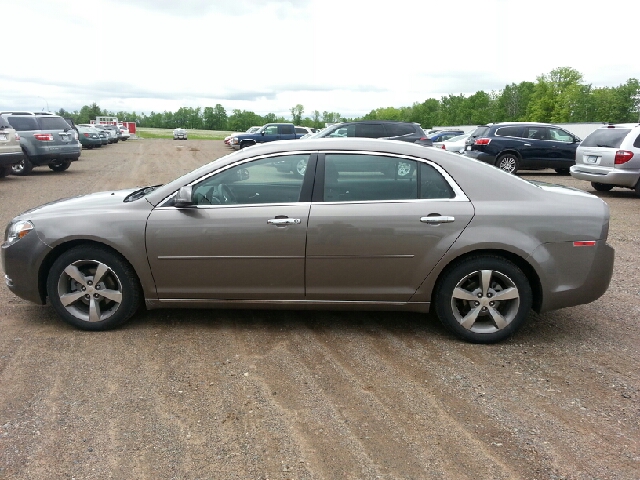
523	146
46	139
444	135
10	151
610	157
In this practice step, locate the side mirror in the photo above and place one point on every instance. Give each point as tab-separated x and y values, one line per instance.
262	133
184	197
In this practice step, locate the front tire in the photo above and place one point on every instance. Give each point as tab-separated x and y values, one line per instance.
601	187
93	288
483	299
509	162
23	167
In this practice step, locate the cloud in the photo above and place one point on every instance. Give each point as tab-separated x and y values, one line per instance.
199	8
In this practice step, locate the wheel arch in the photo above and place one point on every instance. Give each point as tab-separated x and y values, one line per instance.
58	250
506	151
521	263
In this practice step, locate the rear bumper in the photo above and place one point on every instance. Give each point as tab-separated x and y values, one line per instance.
11	158
607	176
481	156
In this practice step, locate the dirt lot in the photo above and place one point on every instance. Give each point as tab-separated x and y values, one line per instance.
200	394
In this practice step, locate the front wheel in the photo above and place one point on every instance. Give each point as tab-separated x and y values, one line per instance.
23	167
483	299
601	187
93	288
60	165
508	162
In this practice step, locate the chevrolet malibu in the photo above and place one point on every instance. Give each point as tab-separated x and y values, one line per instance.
480	247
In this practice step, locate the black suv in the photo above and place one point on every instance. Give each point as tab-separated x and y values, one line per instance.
523	146
407	132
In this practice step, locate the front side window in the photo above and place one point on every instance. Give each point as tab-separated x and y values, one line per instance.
359	177
560	135
259	181
271	130
536	133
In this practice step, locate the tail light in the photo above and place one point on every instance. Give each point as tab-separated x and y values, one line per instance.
86	135
585	243
622	156
17	136
482	141
443	147
424	138
44	137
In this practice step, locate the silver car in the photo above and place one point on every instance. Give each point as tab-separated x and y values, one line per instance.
610	157
479	246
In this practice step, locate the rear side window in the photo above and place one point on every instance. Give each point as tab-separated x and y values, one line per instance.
432	184
509	132
54	123
23	124
637	142
286	129
606	137
370	130
397	130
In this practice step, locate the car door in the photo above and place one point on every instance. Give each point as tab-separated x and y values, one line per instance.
270	134
374	235
535	147
563	148
244	237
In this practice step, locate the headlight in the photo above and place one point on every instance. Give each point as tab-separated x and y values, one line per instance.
16	231
234	140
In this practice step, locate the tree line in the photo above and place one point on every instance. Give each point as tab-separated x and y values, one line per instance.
560	96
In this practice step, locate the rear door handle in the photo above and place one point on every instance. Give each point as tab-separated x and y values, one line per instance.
280	222
527	144
436	220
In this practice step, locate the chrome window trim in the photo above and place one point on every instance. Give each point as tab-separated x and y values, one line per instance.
460	196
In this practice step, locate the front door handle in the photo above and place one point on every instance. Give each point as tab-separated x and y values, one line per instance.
280	222
437	219
527	144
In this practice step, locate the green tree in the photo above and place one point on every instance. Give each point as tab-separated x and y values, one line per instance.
296	114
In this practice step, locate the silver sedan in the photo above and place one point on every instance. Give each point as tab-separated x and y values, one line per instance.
477	245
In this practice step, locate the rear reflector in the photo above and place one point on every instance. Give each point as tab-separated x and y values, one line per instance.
483	141
623	156
588	243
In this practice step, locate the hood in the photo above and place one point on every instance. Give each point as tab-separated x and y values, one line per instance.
82	202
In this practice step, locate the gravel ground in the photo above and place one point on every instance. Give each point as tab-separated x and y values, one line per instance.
202	394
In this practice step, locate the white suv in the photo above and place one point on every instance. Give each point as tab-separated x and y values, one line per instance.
610	157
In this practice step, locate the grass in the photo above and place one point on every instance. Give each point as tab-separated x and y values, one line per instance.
192	134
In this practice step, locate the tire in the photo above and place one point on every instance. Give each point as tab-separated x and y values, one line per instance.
75	270
509	162
464	294
601	187
637	189
4	171
246	144
23	167
563	171
60	165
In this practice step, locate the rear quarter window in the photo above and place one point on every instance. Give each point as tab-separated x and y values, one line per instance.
606	137
23	124
399	130
637	142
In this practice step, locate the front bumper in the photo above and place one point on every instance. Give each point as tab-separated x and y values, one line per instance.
607	176
21	263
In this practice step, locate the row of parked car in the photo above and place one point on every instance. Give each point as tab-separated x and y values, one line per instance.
29	140
608	157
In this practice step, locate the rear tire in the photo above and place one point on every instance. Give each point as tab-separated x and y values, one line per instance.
637	189
4	171
23	167
483	299
508	162
601	187
60	166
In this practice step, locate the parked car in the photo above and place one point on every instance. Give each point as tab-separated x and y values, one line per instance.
124	131
227	139
523	146
45	140
89	137
10	150
270	132
444	135
179	134
114	132
104	136
112	136
610	157
478	246
404	131
454	144
302	131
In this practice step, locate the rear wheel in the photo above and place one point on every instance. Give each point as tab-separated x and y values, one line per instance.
637	189
601	187
483	299
60	165
23	167
508	162
4	171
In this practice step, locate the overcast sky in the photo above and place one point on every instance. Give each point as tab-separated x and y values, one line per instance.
346	56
